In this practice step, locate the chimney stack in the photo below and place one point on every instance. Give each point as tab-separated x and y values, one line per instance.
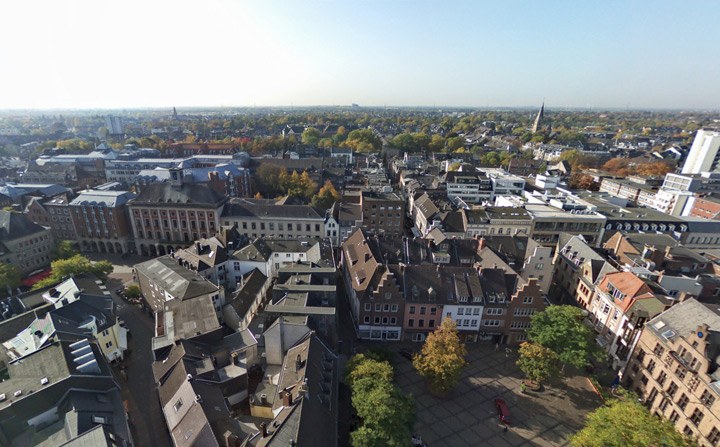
481	243
287	398
298	363
263	427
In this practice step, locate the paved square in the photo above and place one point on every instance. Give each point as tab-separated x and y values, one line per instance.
466	417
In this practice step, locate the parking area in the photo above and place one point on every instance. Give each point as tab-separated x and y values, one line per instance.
467	416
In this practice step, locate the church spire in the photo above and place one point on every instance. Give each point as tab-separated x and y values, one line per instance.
539	118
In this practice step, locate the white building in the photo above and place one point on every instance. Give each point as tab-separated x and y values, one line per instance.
704	155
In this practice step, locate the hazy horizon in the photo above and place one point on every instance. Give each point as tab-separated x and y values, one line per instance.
614	56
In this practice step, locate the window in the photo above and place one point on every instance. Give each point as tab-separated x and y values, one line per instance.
178	405
412	309
433	310
393	320
672	389
368	307
714	437
528	300
461	311
411	322
707	398
697	416
683	401
394	308
377	320
431	323
680	372
105	332
385	320
421	323
687	431
386	308
378	307
674	416
476	311
658	351
108	344
661	378
539	265
367	319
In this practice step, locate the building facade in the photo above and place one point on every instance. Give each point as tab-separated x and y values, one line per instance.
101	221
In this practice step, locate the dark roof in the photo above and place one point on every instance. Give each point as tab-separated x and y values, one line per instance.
243	298
243	208
16	225
175	279
187	194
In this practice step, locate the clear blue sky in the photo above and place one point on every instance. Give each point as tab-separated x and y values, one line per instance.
91	53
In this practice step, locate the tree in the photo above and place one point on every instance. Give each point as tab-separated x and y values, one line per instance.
9	276
579	180
65	249
442	357
133	291
325	198
363	140
310	136
560	328
268	177
437	143
656	168
537	362
454	143
73	266
386	413
626	423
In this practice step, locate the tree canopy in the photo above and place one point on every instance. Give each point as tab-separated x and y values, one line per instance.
386	413
363	140
65	249
9	277
75	265
537	362
626	423
297	185
442	357
560	328
310	136
327	195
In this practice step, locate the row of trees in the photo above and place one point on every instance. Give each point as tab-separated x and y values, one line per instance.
73	266
386	414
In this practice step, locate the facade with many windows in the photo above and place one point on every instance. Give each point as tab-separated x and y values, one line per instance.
169	216
101	220
26	245
674	369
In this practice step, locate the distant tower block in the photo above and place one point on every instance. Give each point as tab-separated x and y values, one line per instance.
539	119
174	115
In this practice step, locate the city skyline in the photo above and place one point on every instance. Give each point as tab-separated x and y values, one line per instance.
80	54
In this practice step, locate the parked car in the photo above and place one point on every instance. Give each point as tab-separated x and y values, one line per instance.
503	411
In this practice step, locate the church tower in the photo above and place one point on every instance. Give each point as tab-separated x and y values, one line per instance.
539	118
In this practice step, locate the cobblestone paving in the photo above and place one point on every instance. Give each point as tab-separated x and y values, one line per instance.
466	417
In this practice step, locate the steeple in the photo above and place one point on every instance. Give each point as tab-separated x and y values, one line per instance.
539	118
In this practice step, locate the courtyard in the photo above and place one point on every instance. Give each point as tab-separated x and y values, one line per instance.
467	416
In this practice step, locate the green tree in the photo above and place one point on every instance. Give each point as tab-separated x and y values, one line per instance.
133	291
73	266
626	423
386	413
268	177
437	143
442	357
537	362
560	328
65	249
9	277
310	136
327	195
455	143
363	140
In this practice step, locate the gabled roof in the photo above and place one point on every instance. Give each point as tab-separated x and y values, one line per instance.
175	279
243	298
16	225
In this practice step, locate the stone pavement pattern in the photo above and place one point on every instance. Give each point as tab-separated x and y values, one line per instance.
467	416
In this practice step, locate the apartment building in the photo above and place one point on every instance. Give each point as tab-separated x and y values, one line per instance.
53	212
383	213
496	220
172	215
26	245
470	187
578	268
674	369
623	303
550	221
101	220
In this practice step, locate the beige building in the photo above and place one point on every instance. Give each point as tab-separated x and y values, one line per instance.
24	244
674	369
168	216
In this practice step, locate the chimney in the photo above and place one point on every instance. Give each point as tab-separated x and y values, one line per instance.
263	427
298	363
197	247
287	398
481	243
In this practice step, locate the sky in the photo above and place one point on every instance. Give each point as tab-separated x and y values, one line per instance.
158	53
